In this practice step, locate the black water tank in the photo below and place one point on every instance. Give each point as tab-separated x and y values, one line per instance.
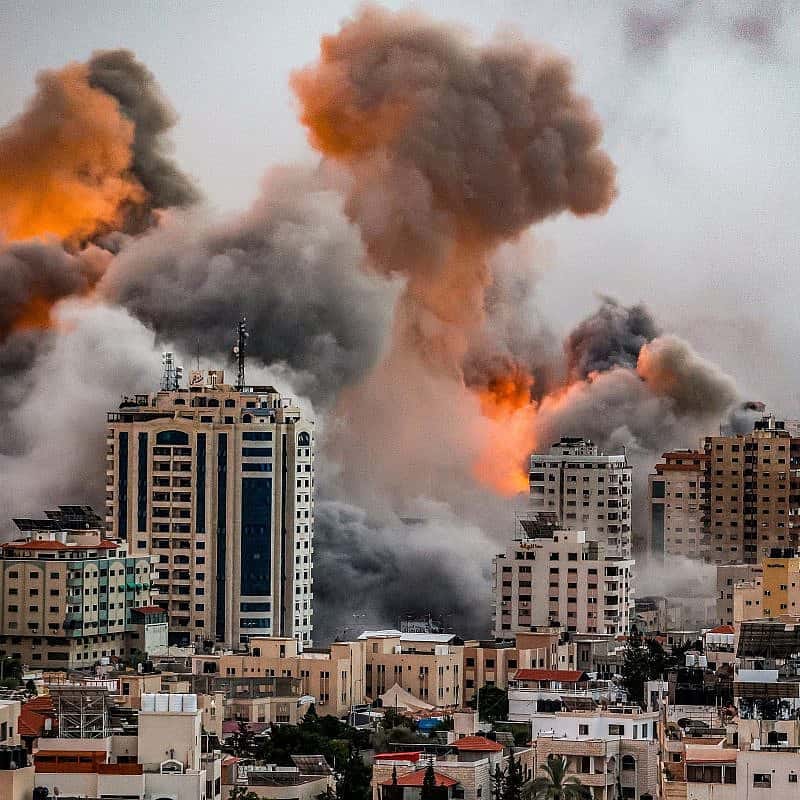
20	756
5	757
41	793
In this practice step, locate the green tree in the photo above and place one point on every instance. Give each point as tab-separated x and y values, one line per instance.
514	779
241	793
492	704
555	785
428	784
30	688
354	782
643	660
497	783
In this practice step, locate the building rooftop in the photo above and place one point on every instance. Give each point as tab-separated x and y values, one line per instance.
416	779
561	675
477	744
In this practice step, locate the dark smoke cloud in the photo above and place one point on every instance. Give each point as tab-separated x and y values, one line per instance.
130	82
611	337
35	272
436	563
291	266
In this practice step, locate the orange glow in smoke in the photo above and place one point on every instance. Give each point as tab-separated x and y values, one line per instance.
65	161
506	403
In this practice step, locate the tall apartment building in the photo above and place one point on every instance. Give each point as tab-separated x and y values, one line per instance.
751	493
217	483
555	577
68	593
587	490
675	521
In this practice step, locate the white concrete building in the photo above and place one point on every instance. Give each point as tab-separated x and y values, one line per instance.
586	489
549	577
217	483
163	759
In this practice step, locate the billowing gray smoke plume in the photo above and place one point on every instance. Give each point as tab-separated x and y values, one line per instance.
120	75
611	337
496	139
368	574
291	265
53	436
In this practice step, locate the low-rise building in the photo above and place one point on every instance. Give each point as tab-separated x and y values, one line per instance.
729	576
68	593
333	677
463	770
605	748
428	665
157	752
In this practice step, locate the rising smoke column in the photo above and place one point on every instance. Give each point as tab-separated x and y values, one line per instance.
134	87
453	148
65	161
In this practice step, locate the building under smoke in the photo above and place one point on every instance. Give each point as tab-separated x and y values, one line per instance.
586	489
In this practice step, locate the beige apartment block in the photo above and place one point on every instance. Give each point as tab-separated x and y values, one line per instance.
747	597
587	490
675	519
68	596
334	677
728	576
557	577
751	493
218	484
428	666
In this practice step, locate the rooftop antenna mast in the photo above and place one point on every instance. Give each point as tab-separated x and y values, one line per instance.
170	373
240	351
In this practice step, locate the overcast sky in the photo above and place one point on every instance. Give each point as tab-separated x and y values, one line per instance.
701	103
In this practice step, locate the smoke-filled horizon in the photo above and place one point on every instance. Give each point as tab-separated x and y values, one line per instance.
394	285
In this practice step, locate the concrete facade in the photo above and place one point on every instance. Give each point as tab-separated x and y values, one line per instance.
587	490
218	484
675	516
560	577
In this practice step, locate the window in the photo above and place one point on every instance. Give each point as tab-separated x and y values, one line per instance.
628	763
583	730
616	730
762	780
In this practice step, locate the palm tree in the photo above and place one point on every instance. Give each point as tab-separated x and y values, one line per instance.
555	785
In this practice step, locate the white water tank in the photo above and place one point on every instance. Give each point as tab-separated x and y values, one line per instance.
148	701
162	702
175	702
190	703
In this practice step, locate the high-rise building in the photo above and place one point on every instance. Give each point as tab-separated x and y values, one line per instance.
217	482
587	490
69	595
549	576
751	496
675	521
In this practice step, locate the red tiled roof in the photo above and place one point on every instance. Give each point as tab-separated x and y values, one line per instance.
35	544
562	675
479	744
33	715
406	756
723	629
149	610
416	779
700	754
